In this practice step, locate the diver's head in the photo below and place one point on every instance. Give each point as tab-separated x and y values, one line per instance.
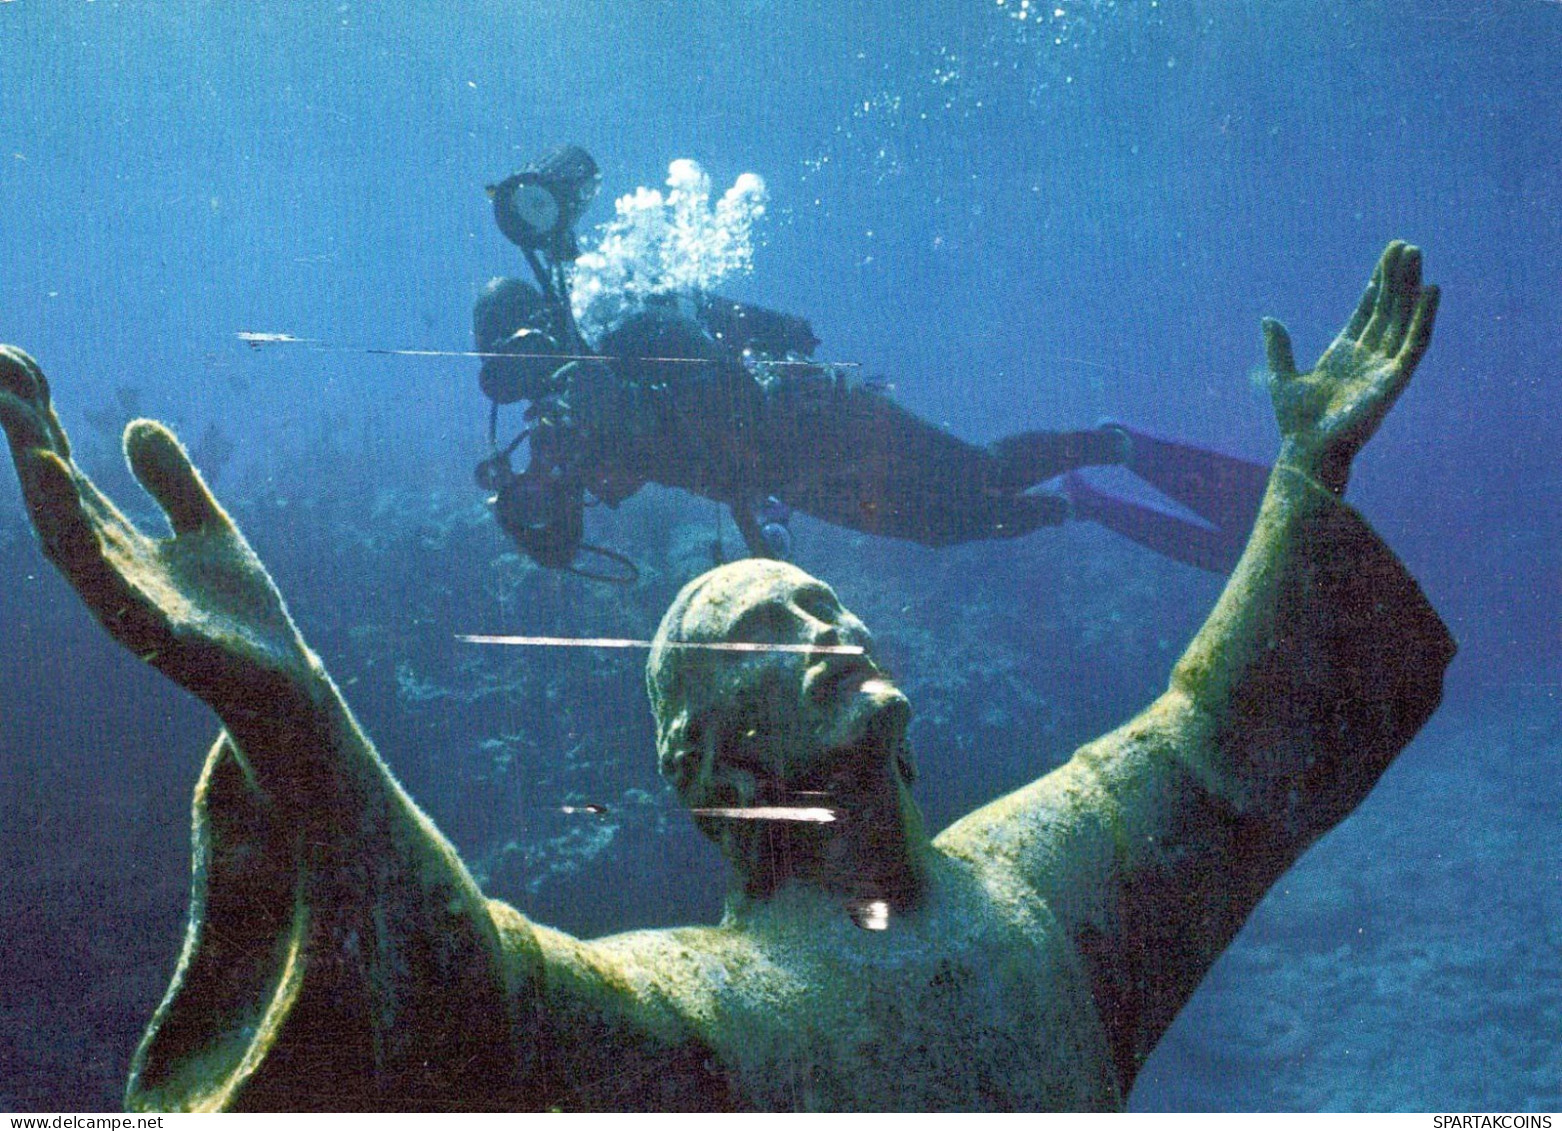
538	207
513	319
811	724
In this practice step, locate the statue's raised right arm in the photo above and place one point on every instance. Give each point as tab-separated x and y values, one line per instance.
338	954
1318	665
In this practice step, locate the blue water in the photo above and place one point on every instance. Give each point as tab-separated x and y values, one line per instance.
1034	221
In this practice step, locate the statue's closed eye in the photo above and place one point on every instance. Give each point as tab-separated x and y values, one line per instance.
761	624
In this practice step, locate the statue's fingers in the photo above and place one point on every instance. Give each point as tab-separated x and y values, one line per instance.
162	466
1277	349
95	547
1419	334
1386	275
1369	301
21	377
21	425
25	412
67	527
1405	294
67	510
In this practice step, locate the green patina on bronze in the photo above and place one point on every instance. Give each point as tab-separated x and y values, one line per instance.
339	955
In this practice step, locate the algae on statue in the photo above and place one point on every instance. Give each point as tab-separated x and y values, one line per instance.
339	955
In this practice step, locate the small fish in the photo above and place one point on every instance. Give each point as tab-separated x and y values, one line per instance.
591	807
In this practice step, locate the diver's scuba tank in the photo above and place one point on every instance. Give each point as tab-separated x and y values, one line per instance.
742	327
662	335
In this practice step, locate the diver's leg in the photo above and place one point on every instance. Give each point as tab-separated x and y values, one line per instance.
1028	458
849	455
1213	549
1223	490
929	514
972	518
1024	513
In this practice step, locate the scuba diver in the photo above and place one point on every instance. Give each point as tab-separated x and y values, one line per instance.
724	399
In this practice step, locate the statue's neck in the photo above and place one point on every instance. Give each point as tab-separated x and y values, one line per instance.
874	852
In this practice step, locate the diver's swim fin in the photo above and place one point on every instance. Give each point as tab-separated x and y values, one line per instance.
1212	548
1222	490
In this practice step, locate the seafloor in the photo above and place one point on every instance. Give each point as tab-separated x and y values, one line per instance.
1412	960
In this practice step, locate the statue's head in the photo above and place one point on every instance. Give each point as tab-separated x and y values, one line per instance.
806	719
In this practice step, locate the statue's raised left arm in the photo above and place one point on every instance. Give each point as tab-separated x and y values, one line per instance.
1320	662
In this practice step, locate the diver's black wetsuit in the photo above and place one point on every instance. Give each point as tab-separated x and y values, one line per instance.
724	400
675	406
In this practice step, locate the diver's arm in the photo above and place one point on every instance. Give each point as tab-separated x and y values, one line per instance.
326	906
748	526
1320	661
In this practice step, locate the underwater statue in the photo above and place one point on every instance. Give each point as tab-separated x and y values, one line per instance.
1030	956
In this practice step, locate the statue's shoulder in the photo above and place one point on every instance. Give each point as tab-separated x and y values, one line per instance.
1010	835
626	1020
656	981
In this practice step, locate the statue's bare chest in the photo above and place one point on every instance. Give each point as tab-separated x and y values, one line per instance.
958	1009
973	1001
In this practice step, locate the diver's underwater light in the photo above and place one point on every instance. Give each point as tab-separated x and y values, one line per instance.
538	207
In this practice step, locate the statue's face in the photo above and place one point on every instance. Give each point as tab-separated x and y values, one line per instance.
765	726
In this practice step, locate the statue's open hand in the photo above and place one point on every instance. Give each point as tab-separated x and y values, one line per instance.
1327	415
199	606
